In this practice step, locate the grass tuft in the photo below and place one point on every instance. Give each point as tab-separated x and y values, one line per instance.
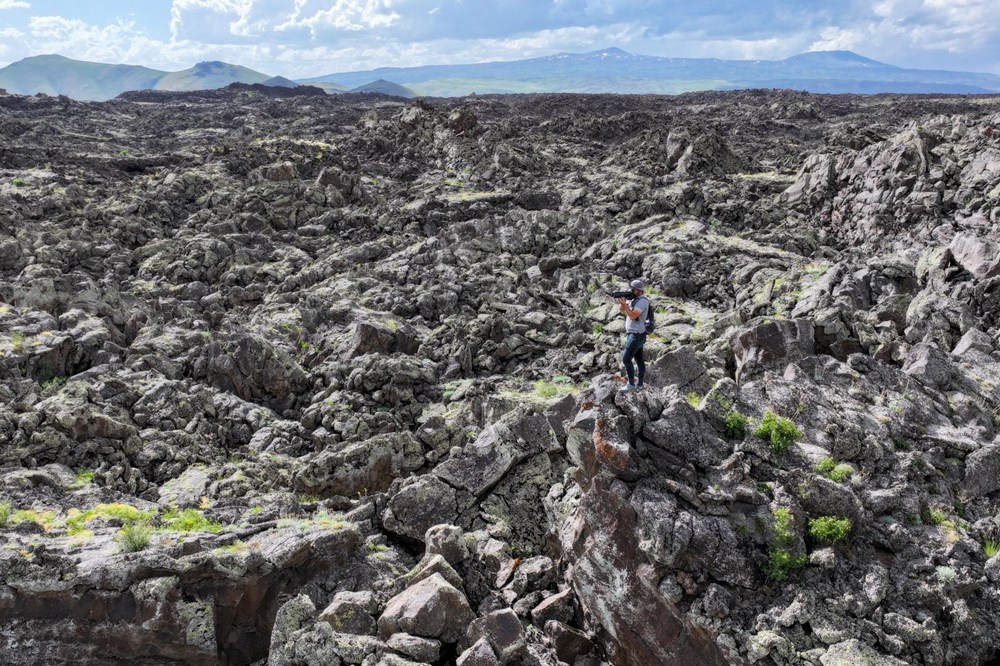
133	537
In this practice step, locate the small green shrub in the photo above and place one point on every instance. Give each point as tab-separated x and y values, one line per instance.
833	470
694	399
83	479
841	473
133	537
778	431
780	563
17	341
5	514
829	530
991	548
935	516
19	182
736	424
780	560
946	575
55	381
544	389
825	466
783	532
597	328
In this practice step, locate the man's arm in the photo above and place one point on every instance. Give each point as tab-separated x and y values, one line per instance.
629	312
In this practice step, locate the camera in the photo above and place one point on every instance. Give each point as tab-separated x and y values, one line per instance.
626	293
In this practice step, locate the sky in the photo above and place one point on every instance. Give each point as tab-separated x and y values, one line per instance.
301	38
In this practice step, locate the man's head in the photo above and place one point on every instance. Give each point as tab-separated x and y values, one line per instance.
638	288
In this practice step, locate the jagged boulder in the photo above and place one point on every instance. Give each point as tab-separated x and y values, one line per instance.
432	608
768	344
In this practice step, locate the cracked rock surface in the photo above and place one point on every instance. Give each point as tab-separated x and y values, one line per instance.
331	380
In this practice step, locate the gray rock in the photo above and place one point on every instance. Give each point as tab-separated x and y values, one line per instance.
559	607
422	649
682	431
480	654
421	503
351	613
363	467
432	608
502	629
854	653
446	541
431	565
769	344
979	257
569	643
982	471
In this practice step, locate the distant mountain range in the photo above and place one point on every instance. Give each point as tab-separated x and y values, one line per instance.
615	70
609	70
58	75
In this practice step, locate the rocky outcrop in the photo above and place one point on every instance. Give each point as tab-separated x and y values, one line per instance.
299	379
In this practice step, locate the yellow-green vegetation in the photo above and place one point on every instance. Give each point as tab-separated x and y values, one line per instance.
377	547
834	471
780	560
47	519
935	516
991	548
126	513
736	424
133	537
5	514
544	389
321	520
778	431
235	547
83	478
694	399
188	520
17	341
55	381
829	529
951	533
560	385
19	182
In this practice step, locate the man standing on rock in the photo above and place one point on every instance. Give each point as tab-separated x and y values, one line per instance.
635	330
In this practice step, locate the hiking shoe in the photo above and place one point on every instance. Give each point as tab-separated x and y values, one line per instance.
629	387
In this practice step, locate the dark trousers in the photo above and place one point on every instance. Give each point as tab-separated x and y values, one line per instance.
633	350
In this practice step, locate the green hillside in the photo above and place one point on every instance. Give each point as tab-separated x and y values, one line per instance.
209	75
94	81
57	75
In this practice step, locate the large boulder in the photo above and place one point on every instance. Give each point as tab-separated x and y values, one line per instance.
616	584
497	450
982	470
981	258
361	467
432	608
769	344
421	503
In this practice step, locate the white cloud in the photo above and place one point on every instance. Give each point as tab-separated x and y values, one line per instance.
301	38
349	15
916	33
14	4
